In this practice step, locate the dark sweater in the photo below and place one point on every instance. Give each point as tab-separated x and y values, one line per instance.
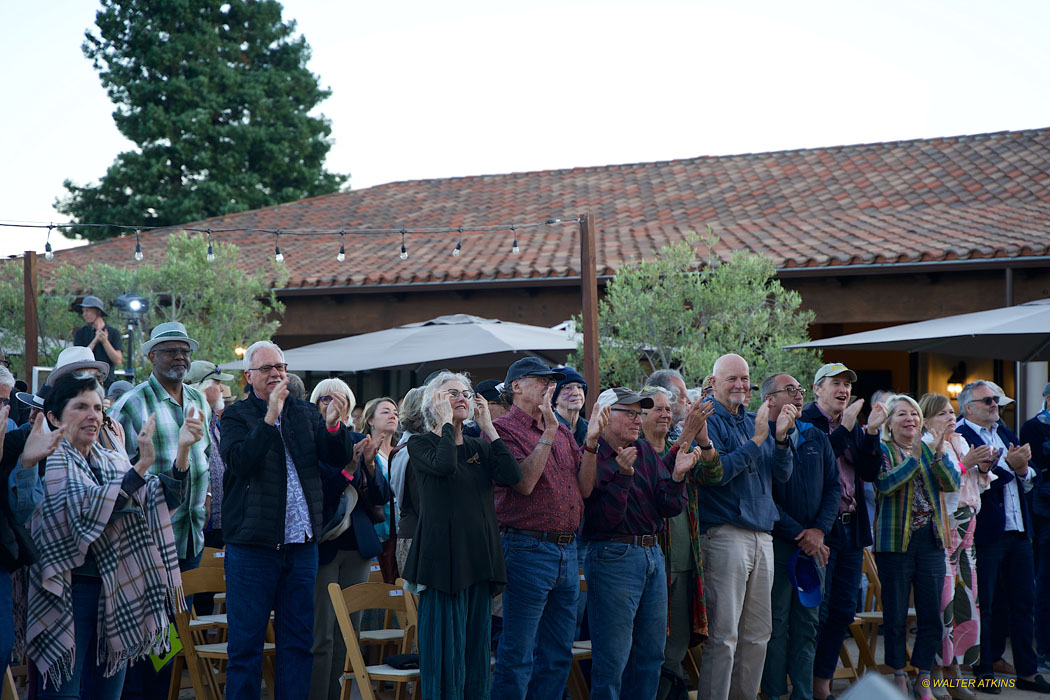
456	543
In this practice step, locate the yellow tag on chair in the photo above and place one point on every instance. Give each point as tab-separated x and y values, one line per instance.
160	662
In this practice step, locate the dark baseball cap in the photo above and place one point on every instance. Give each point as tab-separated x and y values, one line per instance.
531	367
629	396
489	389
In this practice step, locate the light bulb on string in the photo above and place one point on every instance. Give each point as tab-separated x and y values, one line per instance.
459	244
277	254
211	251
48	252
514	247
342	248
404	250
138	247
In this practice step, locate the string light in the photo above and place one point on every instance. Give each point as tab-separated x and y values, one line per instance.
211	251
459	244
48	252
404	250
277	254
514	247
342	248
138	247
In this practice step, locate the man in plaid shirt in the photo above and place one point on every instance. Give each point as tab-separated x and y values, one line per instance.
169	350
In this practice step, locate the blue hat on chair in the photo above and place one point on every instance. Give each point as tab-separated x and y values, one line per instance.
804	576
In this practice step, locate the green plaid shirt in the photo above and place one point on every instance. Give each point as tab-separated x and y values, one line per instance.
133	410
895	495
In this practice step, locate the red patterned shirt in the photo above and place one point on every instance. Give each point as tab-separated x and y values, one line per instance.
555	505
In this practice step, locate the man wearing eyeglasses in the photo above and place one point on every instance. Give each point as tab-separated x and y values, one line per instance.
273	446
850	533
808	504
1005	559
538	519
163	394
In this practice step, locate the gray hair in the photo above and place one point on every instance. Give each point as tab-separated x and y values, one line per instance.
886	433
429	417
655	389
769	384
259	345
6	378
410	412
662	378
201	386
605	399
966	395
333	385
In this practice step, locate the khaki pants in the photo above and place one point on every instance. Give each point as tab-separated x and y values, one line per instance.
738	580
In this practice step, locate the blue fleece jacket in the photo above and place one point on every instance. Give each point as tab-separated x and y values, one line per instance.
810	497
744	497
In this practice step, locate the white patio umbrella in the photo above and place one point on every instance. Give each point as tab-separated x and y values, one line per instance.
436	340
1020	333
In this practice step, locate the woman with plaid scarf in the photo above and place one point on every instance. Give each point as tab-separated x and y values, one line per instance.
108	570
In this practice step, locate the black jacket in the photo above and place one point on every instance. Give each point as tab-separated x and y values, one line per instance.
852	445
255	482
16	546
361	535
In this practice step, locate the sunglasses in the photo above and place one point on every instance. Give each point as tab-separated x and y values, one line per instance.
987	401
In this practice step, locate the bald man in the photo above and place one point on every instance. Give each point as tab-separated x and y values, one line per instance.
736	518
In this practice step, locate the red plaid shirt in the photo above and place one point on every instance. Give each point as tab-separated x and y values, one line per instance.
555	505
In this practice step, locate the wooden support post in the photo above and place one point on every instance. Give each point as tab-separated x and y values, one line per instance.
589	292
32	324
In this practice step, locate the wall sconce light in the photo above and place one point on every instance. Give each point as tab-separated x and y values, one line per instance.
239	351
957	380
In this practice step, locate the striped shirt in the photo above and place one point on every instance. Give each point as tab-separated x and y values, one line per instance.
895	495
132	410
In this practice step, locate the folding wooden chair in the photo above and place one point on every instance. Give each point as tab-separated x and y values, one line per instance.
581	651
206	661
369	596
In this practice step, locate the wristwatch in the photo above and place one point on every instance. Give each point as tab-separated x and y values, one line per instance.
708	446
592	450
781	443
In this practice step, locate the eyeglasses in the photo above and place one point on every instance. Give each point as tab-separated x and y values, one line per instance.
266	369
542	379
631	413
791	391
455	394
987	401
174	352
6	363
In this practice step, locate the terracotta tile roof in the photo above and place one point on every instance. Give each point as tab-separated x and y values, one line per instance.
959	198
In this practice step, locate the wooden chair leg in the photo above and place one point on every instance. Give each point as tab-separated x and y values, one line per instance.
178	665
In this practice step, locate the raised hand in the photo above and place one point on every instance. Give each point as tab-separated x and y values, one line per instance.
849	416
41	443
336	409
546	409
275	404
695	424
483	418
1018	457
192	429
684	462
940	438
145	441
625	459
597	426
442	405
786	421
761	424
876	418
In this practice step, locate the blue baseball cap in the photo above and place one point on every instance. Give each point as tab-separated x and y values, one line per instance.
805	578
531	367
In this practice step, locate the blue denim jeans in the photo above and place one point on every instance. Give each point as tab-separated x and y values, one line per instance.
87	681
539	619
7	621
627	603
919	570
793	641
1006	574
259	580
841	581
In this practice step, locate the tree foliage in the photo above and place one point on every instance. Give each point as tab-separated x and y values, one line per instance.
216	95
682	311
221	306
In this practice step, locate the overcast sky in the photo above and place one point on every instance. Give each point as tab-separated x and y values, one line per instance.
425	89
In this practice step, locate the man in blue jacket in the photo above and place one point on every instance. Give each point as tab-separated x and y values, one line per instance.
1003	540
1036	434
736	518
808	504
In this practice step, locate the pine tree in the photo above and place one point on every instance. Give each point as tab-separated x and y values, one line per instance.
216	95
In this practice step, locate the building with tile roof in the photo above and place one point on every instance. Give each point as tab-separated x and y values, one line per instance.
870	235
